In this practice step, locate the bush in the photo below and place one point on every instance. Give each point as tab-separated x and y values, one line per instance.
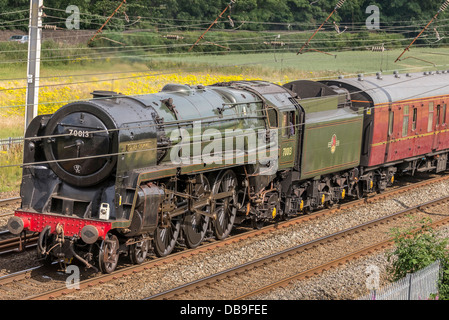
415	249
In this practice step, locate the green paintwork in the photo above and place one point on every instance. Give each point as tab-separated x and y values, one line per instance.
319	104
225	120
321	153
287	152
139	152
210	136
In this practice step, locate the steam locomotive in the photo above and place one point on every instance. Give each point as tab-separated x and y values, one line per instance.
129	175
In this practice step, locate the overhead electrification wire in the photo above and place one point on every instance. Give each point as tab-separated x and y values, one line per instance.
337	6
183	123
128	77
188	69
14	12
442	8
213	23
89	56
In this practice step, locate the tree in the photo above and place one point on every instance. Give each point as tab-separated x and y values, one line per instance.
260	14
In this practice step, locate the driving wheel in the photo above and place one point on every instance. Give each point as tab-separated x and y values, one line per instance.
225	208
167	232
195	224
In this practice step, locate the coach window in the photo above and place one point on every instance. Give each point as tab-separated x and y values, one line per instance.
390	123
444	114
405	122
430	121
415	117
437	121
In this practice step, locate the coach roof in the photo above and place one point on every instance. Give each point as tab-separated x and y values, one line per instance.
399	87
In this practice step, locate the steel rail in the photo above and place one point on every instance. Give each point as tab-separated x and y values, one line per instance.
17	276
195	285
332	264
4	202
18	244
6	214
230	240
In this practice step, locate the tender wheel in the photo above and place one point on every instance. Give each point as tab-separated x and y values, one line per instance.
108	255
195	224
225	208
167	232
139	251
358	187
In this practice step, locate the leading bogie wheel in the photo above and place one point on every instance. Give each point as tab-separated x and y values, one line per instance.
109	254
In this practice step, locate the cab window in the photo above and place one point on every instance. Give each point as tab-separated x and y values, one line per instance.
288	123
272	117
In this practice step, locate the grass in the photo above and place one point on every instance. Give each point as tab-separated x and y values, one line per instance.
11	127
10	174
277	65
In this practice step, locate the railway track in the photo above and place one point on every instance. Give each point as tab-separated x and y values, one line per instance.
17	276
124	272
6	214
17	244
208	287
13	243
4	202
8	203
